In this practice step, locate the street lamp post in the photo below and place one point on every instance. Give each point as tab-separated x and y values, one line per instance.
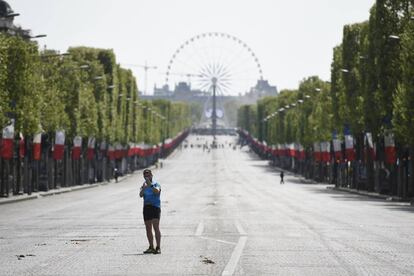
37	36
80	172
12	15
214	113
264	128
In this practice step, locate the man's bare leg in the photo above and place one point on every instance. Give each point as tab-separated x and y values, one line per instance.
156	225
148	228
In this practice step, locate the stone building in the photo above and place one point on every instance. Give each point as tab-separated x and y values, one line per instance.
7	25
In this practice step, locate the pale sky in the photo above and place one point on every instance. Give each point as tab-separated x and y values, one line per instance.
292	39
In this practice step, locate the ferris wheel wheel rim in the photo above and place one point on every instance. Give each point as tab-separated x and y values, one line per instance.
222	34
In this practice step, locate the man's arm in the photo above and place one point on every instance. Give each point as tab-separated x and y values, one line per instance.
156	189
141	192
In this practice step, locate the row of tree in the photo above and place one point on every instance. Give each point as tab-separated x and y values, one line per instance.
85	93
76	118
370	92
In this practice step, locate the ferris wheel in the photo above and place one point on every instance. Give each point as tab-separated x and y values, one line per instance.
215	57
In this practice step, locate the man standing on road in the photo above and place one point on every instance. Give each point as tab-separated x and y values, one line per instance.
151	192
281	177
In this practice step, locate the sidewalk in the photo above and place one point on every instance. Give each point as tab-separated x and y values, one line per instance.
352	191
17	198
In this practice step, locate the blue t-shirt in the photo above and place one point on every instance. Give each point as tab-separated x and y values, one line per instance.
151	198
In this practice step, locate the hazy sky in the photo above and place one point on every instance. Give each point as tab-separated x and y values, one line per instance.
292	39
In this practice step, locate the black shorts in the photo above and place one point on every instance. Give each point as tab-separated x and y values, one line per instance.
151	212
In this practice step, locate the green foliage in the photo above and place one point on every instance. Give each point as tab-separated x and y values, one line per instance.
22	84
53	115
85	94
336	85
246	119
388	19
350	97
4	96
371	86
302	115
403	120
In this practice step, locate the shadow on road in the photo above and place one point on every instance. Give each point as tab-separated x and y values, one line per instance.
345	196
339	195
409	209
266	168
302	181
254	156
342	195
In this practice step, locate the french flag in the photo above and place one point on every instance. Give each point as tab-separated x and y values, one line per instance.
77	145
349	145
7	142
136	148
111	152
91	148
22	147
103	146
337	149
37	146
140	151
278	150
317	151
292	152
131	149
301	152
390	153
118	151
370	145
59	145
296	150
326	151
285	149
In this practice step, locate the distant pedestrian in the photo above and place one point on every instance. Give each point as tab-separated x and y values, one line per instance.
151	192
281	177
116	174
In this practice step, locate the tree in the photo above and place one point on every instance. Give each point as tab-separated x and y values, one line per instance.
403	102
22	84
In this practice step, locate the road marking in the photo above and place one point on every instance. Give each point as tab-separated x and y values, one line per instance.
222	241
240	229
235	256
200	229
237	252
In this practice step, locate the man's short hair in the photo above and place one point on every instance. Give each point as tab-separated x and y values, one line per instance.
147	171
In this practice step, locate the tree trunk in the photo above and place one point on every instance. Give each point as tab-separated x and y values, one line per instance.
411	172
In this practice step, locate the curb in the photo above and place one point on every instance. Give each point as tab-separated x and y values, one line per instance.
69	189
49	193
17	198
369	194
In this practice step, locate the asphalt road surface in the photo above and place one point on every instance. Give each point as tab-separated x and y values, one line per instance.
223	213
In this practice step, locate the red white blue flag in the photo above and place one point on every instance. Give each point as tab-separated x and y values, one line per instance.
22	146
7	142
59	148
91	148
326	151
337	149
390	152
317	151
37	146
370	145
349	145
77	145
